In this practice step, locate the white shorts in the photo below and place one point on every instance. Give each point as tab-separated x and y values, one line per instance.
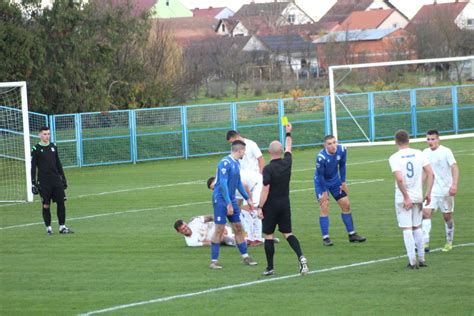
409	218
444	203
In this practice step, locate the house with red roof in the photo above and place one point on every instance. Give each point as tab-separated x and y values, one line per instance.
211	12
460	13
373	19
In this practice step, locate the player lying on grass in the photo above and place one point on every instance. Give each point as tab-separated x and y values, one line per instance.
198	232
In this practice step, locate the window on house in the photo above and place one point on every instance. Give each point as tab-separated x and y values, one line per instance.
223	28
168	3
399	40
394	25
291	18
470	22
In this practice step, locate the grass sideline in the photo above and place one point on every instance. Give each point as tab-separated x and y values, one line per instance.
125	249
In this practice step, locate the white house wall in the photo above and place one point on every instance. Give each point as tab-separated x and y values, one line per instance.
300	16
224	14
395	20
466	14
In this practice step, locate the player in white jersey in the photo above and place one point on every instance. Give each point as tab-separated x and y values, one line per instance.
408	165
444	188
198	232
253	159
252	182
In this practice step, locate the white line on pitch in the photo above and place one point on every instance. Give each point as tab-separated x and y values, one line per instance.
239	285
376	161
153	208
109	214
350	183
138	189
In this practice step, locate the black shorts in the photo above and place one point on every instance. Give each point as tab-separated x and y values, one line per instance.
52	191
277	214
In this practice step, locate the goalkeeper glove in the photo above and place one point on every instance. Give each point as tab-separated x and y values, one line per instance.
34	188
63	179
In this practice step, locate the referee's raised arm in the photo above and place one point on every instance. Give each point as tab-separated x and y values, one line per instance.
288	140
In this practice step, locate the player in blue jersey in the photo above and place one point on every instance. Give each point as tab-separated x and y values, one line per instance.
225	204
330	177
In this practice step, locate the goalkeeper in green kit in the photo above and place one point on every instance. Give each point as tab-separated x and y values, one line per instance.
51	181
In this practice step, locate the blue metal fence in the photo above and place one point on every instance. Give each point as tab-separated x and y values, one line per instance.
88	139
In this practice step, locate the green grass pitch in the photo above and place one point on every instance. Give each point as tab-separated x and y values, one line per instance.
126	251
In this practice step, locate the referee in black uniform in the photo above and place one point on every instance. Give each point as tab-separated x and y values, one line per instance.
275	203
51	181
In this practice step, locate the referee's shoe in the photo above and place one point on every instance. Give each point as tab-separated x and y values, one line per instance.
356	238
65	230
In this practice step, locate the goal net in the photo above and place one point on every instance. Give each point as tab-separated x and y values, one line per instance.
371	101
15	180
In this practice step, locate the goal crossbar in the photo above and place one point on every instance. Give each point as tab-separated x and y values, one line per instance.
332	85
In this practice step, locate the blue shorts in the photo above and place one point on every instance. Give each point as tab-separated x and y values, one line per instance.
334	188
220	212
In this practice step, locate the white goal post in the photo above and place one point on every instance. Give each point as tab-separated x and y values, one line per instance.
350	67
15	131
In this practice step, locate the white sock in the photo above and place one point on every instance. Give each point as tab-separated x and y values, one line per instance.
418	236
410	245
61	226
449	231
49	228
426	226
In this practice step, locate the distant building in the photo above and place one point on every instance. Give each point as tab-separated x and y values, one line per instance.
216	13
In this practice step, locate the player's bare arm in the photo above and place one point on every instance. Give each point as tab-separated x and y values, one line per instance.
429	182
407	203
288	141
454	186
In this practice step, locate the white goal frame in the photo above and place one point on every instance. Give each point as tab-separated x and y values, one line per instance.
332	85
26	134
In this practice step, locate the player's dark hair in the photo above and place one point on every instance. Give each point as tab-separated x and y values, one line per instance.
209	182
232	134
432	132
237	145
402	137
44	128
327	137
178	224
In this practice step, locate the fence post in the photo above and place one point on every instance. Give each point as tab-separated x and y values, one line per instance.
414	128
281	128
132	125
233	115
371	109
78	130
327	115
454	97
184	141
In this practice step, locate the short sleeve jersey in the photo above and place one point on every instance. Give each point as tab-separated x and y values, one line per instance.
277	174
201	231
330	168
228	174
441	160
252	153
410	163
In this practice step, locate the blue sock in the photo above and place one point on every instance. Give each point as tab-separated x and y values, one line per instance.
215	251
347	219
324	224
242	247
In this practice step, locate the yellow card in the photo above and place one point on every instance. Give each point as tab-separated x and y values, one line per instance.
284	121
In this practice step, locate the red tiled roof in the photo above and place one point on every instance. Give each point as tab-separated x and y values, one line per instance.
343	8
209	12
363	20
427	12
191	28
